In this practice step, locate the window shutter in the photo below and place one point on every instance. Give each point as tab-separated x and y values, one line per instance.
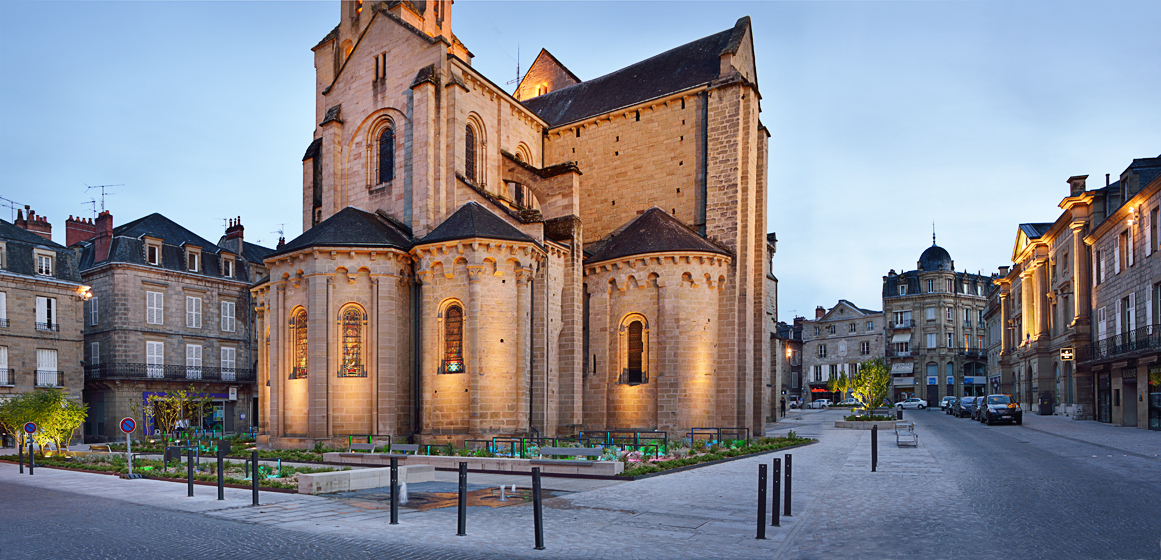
148	310
1102	270
3	305
4	361
1117	321
189	320
198	313
1146	226
41	310
94	353
1131	245
1132	311
45	360
1149	310
1117	257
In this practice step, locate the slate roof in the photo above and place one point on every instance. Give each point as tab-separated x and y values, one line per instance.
128	246
1035	231
678	69
255	253
9	232
19	243
654	231
350	227
935	258
473	220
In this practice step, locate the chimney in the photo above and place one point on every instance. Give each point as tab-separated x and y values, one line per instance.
36	224
78	229
281	242
1076	185
1106	179
1004	271
819	312
235	232
103	236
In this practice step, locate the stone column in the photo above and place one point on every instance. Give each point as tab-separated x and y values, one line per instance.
475	353
524	348
372	333
277	320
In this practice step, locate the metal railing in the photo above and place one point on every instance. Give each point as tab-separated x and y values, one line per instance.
4	323
908	324
48	326
1144	339
124	370
45	378
7	376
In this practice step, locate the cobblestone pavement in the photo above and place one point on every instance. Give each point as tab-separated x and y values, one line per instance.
1053	488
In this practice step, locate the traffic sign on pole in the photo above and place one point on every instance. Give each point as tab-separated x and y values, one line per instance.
30	427
127	426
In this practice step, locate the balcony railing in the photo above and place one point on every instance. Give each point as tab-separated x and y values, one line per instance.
45	378
203	374
909	324
7	377
3	323
1137	341
48	326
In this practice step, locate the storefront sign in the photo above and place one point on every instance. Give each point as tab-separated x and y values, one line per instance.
233	393
1066	354
951	380
933	380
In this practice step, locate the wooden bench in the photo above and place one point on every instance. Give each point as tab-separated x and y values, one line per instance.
403	449
103	448
905	434
567	452
362	447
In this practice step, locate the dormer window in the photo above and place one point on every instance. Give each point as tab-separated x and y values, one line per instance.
153	252
193	260
902	289
44	263
228	267
3	256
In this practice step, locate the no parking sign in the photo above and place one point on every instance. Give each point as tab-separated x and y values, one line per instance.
128	425
30	428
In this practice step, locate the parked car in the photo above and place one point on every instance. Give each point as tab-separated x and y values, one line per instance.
946	403
951	402
999	408
963	407
795	402
851	401
914	402
820	403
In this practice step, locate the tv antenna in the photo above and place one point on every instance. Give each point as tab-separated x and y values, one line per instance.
12	205
280	228
517	80
103	193
93	202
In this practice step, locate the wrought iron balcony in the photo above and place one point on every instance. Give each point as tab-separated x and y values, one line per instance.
3	323
908	324
193	374
48	326
1144	340
45	378
7	377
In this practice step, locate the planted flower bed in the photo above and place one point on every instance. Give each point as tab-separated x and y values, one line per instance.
234	473
696	452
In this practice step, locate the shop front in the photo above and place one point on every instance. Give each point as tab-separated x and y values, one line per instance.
1155	397
819	391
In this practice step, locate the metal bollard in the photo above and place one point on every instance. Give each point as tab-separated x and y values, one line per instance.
189	466
874	448
20	456
898	413
788	514
761	502
254	475
221	486
31	458
394	491
537	509
775	505
462	525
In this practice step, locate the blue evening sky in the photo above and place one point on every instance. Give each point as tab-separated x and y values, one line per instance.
886	116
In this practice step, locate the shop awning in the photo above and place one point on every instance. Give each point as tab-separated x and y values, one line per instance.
902	337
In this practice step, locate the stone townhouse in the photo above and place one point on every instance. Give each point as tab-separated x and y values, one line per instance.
835	342
627	210
936	329
791	360
41	295
169	310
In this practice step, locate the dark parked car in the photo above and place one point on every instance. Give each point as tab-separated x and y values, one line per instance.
951	401
999	408
963	407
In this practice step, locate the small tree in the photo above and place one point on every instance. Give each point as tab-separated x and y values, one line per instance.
870	384
839	385
166	410
56	416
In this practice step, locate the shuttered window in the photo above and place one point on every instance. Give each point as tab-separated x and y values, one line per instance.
155	308
193	312
154	359
228	362
193	361
227	316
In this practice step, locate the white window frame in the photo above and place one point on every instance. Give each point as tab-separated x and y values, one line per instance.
94	353
821	350
229	363
44	264
154	359
156	247
154	308
193	361
47	374
902	289
950	286
930	285
864	348
46	313
932	340
854	327
951	340
6	378
930	311
193	312
950	313
870	325
3	309
228	322
94	308
228	267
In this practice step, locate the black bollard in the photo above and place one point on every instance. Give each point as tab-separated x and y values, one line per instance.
31	458
537	509
20	456
462	525
775	505
787	500
394	490
898	413
761	502
254	475
874	448
189	465
221	486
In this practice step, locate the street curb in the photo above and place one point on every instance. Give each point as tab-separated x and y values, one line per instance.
167	479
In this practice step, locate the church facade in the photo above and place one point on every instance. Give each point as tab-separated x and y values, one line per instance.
579	255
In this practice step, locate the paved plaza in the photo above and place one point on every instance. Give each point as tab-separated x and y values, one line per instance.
1052	488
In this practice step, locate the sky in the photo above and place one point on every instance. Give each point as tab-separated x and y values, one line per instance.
885	117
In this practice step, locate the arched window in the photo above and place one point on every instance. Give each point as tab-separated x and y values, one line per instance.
387	155
470	154
298	335
351	323
453	339
636	348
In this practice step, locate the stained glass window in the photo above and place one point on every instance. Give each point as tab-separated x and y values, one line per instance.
470	154
298	328
352	320
636	349
387	155
453	339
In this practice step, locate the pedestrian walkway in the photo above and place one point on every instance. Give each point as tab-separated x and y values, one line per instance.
1128	440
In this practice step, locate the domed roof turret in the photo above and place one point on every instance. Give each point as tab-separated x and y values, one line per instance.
935	258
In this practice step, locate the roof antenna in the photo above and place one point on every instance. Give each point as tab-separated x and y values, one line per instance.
510	82
93	202
933	233
12	205
103	193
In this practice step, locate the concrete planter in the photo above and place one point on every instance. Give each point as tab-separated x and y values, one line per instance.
493	464
865	425
360	479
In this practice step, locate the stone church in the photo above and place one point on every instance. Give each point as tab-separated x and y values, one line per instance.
581	255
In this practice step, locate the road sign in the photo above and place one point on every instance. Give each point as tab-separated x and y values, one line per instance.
30	427
128	425
1066	354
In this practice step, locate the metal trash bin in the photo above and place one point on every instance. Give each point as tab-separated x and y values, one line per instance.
1046	403
898	413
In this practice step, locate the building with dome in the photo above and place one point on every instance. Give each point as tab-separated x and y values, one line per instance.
578	255
936	335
